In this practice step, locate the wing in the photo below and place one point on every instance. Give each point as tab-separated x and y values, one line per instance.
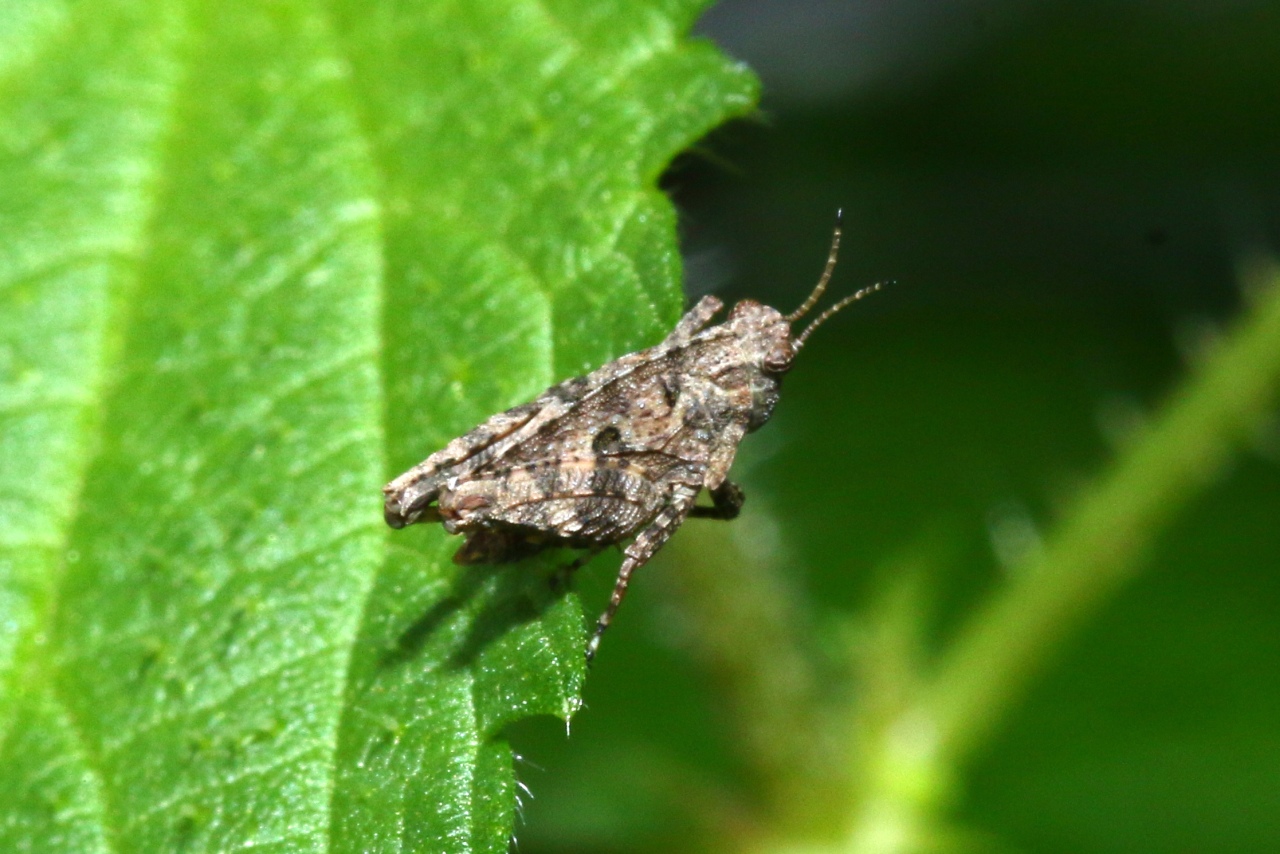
574	501
634	396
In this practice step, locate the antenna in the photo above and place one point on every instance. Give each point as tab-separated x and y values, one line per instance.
822	318
813	298
826	272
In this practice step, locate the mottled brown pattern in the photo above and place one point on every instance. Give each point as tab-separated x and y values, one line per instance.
619	454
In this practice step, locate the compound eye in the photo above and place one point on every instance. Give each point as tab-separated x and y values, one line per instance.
778	359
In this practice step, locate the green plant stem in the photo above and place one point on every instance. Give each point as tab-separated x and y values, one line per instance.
753	639
1100	545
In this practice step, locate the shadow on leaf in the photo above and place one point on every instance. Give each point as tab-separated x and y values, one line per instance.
499	599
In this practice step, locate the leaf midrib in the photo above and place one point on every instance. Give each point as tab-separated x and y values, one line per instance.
34	664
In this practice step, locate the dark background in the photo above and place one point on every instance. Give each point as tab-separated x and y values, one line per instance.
1064	194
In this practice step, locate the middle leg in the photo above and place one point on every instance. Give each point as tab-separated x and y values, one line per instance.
726	502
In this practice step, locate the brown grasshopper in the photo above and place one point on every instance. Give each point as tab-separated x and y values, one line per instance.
619	454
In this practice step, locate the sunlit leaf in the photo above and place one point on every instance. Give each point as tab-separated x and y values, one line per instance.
255	261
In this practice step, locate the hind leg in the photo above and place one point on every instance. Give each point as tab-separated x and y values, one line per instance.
637	554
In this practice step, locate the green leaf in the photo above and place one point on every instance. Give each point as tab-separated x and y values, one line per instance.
254	263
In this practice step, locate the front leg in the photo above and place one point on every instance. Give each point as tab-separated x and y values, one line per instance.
726	500
637	554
